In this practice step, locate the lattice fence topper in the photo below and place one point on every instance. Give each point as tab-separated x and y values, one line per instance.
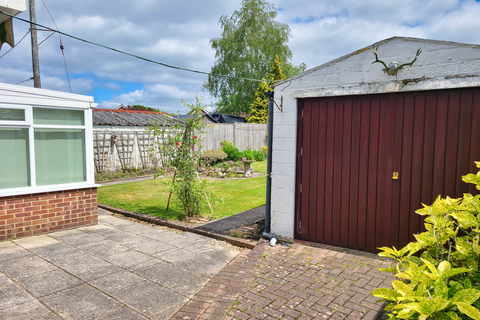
146	146
125	143
101	145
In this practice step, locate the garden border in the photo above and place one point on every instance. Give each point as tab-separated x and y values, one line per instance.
244	243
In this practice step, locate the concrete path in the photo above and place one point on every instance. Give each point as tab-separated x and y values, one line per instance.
297	282
118	269
127	180
237	220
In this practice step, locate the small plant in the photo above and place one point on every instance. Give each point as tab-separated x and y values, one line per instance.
232	152
258	155
248	154
227	143
444	281
265	151
211	157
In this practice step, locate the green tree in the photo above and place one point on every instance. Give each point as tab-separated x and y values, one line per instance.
140	107
250	39
259	107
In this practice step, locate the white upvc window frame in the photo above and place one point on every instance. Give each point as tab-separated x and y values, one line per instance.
28	124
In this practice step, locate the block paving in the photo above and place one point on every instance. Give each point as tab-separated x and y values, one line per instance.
296	282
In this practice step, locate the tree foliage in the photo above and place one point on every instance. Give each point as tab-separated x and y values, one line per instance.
140	107
247	47
259	107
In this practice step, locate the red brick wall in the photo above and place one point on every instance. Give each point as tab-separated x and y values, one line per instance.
31	214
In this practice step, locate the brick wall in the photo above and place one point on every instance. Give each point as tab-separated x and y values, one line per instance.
31	214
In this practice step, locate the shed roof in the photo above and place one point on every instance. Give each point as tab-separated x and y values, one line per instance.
112	117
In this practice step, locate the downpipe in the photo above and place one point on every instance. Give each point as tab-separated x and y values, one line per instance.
266	233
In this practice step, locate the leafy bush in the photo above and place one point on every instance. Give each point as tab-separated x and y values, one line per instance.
258	155
444	282
212	157
227	143
248	154
232	152
265	151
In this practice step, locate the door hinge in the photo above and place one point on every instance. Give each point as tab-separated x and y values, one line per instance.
301	151
300	188
302	113
300	226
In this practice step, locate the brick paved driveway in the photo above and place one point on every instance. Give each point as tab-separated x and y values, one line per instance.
297	282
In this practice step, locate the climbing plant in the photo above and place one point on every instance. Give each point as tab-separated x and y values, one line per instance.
181	148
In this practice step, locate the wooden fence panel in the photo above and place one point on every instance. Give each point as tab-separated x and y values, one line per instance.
243	135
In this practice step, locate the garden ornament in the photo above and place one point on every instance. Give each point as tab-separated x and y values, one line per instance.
394	67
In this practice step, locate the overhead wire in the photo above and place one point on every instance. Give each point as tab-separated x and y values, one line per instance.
16	44
133	55
61	46
31	78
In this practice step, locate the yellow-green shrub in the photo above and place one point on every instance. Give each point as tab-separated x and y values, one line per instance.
444	282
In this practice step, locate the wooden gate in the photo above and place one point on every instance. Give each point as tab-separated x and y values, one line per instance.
366	163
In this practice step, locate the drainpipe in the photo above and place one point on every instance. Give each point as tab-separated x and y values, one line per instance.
266	234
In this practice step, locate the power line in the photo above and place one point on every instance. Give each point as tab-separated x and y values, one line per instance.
31	78
61	46
133	55
15	45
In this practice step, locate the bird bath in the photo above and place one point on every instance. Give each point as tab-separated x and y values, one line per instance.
246	168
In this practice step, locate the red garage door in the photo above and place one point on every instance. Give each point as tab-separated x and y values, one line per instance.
366	163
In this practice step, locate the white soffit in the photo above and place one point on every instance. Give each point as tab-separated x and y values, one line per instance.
13	7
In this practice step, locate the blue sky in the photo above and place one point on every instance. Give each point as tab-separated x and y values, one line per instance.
179	33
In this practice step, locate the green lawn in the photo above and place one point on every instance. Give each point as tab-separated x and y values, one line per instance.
150	196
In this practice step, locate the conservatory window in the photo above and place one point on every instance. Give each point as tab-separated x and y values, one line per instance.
59	156
14	158
43	147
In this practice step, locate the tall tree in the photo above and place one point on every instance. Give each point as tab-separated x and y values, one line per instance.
259	106
250	39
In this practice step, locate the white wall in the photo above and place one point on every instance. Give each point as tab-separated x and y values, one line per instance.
441	65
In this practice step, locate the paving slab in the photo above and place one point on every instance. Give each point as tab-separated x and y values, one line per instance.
25	266
149	298
131	259
11	294
79	263
83	302
109	271
124	313
116	281
48	283
37	242
31	310
177	279
104	249
12	251
149	247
